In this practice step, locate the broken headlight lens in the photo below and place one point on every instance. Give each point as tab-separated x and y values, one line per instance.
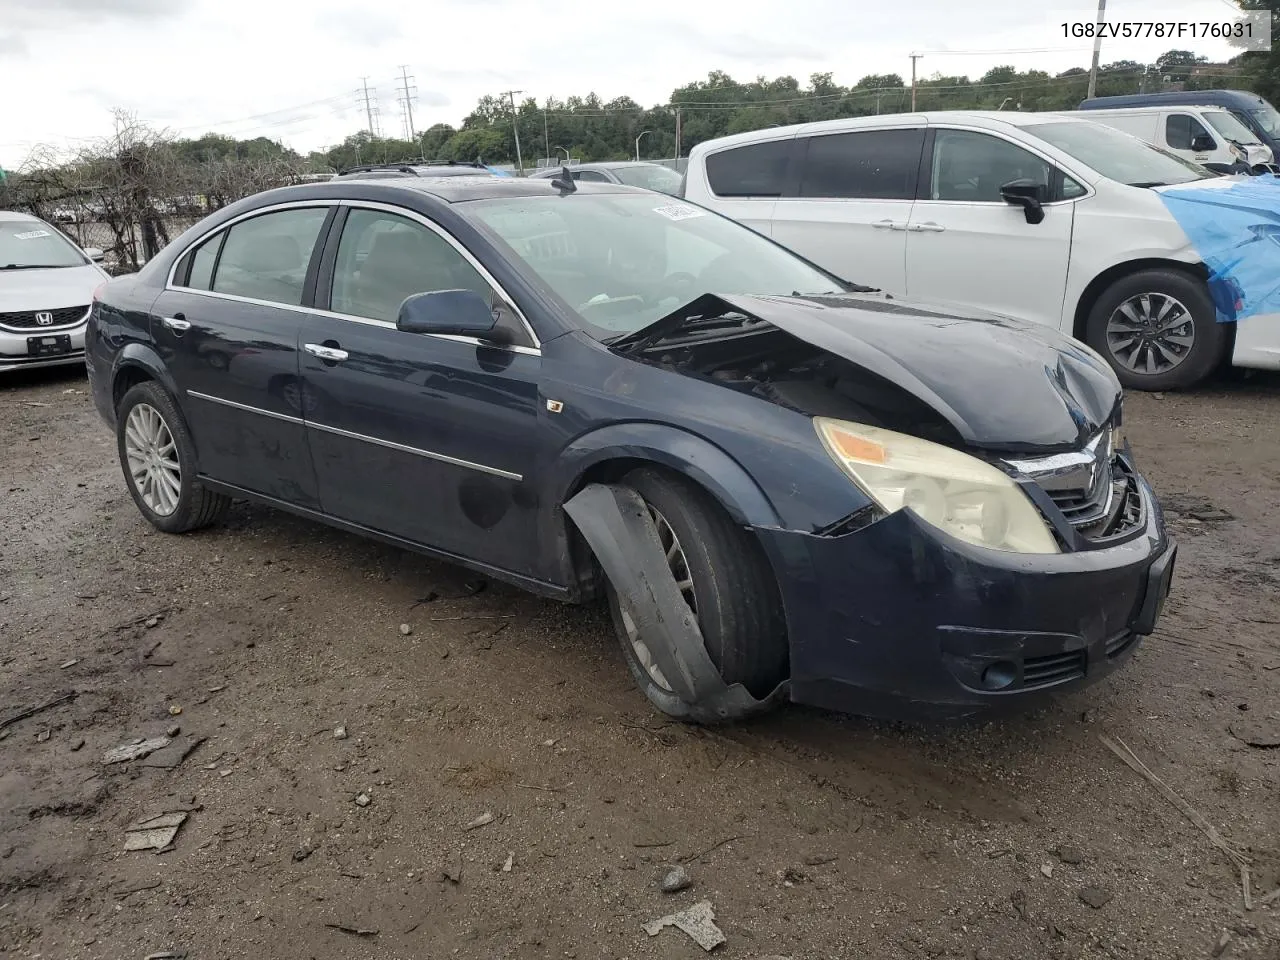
956	493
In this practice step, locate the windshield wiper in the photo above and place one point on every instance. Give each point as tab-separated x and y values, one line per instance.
1149	183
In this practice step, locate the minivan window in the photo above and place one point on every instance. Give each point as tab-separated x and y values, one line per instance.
266	257
1229	125
756	170
1117	155
1181	130
870	164
973	166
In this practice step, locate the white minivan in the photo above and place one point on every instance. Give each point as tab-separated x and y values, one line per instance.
1212	136
1051	218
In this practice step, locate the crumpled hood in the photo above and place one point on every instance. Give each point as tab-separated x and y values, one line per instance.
48	289
1003	384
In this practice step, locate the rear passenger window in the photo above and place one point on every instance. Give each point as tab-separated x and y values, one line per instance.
872	164
974	166
266	258
758	170
1180	129
201	277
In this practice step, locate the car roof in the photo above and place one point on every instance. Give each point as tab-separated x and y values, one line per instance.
16	215
455	189
985	119
1176	98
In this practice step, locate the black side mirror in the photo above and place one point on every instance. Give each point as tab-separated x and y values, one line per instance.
1029	195
1203	143
458	313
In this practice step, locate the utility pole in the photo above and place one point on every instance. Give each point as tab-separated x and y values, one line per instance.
407	100
678	132
546	137
914	58
368	105
1097	49
515	126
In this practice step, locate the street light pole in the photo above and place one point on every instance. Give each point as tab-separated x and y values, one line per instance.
643	133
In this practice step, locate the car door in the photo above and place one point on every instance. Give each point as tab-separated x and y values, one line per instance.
227	327
852	202
427	438
966	245
1183	132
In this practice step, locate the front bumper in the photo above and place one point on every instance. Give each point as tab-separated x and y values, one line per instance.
16	347
900	621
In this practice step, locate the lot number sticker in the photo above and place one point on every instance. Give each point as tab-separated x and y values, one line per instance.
678	211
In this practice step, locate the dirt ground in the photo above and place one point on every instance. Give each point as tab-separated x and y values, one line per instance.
813	835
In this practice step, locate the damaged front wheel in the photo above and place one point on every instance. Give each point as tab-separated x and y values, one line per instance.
721	575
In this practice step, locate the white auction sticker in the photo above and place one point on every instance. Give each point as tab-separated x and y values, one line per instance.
678	211
32	234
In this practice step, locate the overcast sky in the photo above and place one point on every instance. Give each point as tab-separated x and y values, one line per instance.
289	69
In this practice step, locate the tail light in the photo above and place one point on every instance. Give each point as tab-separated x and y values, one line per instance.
97	291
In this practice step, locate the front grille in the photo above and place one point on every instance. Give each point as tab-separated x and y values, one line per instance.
1092	487
1055	668
26	319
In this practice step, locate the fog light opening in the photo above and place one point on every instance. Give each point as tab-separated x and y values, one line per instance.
999	675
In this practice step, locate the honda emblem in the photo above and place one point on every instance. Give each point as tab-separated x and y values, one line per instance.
44	318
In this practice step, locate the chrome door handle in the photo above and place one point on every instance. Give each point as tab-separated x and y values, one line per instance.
177	324
323	352
889	225
927	227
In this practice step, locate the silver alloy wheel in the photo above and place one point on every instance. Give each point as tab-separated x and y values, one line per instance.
678	564
1151	333
153	459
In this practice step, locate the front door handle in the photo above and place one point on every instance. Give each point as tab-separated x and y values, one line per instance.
177	323
889	225
332	354
927	227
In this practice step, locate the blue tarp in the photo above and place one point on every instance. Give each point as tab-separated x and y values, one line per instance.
1235	229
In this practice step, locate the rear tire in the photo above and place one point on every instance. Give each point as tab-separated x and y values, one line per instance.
1127	327
158	458
731	590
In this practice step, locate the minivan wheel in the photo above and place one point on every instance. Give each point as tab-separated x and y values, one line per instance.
727	584
1158	329
159	463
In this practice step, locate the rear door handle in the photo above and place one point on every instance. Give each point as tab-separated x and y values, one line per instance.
889	225
332	354
927	227
177	323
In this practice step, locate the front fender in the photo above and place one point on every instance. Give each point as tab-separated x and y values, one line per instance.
662	445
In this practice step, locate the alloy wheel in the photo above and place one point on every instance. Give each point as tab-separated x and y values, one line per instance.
678	564
1151	333
153	459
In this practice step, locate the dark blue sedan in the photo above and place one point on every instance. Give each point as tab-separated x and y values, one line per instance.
787	486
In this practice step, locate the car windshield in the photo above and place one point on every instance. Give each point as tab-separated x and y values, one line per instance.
28	244
622	261
651	176
1117	155
1230	126
1267	118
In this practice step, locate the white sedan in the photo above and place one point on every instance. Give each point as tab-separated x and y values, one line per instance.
46	289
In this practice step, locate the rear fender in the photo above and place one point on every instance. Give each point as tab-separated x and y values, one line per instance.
144	357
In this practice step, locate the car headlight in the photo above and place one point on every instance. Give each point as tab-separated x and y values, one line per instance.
957	493
1238	152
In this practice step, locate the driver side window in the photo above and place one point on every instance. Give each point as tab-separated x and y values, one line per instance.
973	166
384	258
1181	130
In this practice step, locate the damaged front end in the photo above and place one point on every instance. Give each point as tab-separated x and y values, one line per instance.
1033	555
